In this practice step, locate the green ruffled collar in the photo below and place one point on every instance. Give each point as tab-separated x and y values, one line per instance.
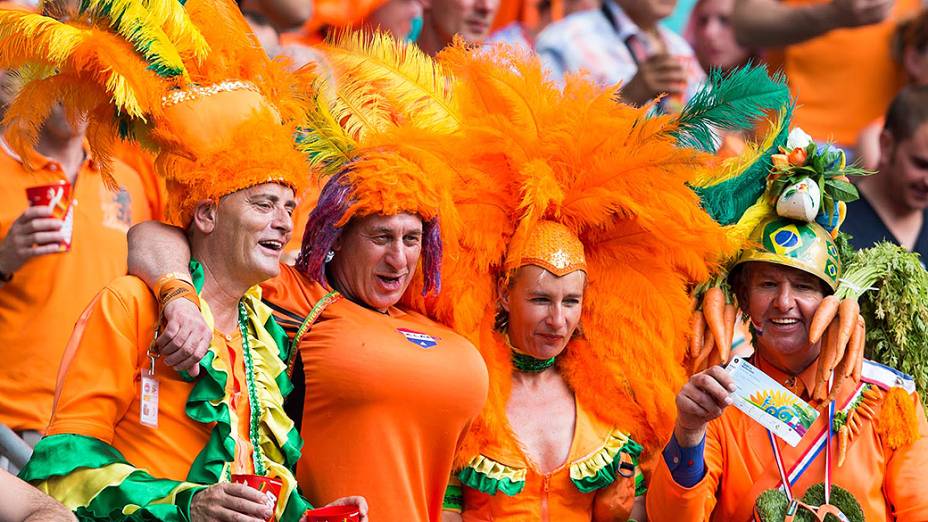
209	403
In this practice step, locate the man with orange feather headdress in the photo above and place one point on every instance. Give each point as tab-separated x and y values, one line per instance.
131	438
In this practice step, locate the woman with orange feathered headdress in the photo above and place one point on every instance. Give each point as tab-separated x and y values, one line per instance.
572	275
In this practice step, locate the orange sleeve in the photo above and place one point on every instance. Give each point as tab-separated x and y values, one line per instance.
97	379
669	501
906	482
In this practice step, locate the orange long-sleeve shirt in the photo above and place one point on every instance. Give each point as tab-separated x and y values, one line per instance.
889	484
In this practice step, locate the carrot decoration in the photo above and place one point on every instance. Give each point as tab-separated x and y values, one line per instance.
858	350
843	372
730	315
854	425
825	364
713	307
825	313
842	445
872	393
697	333
699	364
866	411
848	313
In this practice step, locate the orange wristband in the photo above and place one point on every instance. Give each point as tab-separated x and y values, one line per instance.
170	287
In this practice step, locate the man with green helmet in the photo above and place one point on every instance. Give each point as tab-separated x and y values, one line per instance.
722	465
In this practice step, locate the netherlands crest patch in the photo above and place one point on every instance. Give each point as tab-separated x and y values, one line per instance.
422	340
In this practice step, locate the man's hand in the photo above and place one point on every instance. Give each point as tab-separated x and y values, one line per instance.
229	502
361	502
701	400
661	73
34	233
185	337
855	13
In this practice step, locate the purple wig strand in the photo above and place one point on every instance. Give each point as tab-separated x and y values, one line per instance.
431	256
321	233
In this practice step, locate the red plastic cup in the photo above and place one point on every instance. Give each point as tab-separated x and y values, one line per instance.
57	196
269	486
333	514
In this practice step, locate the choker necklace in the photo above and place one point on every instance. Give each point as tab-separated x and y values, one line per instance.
529	364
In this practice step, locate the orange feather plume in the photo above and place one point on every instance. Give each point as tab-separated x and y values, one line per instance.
617	179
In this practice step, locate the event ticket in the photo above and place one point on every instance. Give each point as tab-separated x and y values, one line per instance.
770	403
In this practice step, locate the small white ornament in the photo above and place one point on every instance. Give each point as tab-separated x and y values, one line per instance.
797	139
800	201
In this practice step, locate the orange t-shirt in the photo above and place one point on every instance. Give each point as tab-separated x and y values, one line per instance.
98	389
889	484
844	79
388	397
552	496
39	307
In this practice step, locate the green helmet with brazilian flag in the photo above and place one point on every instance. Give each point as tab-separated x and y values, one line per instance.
797	244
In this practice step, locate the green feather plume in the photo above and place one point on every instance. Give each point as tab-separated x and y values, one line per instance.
731	102
728	200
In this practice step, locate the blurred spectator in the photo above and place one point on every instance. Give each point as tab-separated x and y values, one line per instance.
284	15
712	36
43	286
264	31
401	18
533	17
20	502
622	42
893	202
835	55
443	19
910	48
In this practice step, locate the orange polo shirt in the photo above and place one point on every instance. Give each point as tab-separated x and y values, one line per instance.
388	398
889	484
552	496
844	79
100	378
39	307
143	162
98	389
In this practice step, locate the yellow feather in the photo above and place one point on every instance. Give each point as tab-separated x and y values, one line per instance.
414	86
173	18
734	167
28	37
739	232
131	20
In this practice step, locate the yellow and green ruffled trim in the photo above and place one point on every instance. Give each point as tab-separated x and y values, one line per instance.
95	481
489	476
278	440
600	468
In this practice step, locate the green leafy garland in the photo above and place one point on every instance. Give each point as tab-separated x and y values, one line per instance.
896	312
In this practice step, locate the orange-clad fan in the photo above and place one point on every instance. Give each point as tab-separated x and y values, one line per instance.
48	291
130	435
817	431
389	393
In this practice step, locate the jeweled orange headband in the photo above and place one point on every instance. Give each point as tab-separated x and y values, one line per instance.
555	248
